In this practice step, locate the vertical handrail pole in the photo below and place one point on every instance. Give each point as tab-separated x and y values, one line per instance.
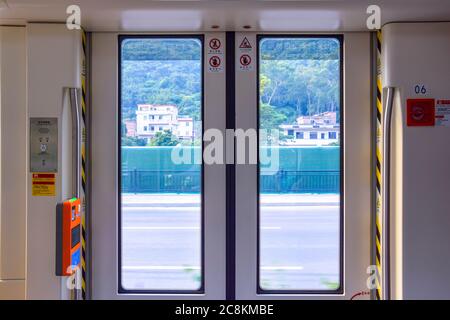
386	195
76	142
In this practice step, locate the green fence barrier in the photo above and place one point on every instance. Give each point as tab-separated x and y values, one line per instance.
300	170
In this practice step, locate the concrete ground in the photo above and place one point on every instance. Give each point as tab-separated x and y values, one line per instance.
161	241
183	200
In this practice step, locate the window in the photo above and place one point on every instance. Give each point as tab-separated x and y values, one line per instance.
161	207
332	135
322	136
145	128
160	117
300	216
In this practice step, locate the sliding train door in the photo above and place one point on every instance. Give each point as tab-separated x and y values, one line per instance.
303	203
159	211
238	172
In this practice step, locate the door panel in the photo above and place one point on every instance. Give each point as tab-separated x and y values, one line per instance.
105	226
304	226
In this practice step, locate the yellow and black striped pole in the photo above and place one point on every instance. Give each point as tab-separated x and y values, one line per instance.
83	165
379	163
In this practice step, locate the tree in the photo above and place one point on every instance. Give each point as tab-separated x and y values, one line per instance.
123	129
270	118
162	82
264	81
164	138
299	87
133	142
297	76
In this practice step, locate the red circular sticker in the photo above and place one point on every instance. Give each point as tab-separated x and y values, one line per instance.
214	61
214	43
245	60
418	113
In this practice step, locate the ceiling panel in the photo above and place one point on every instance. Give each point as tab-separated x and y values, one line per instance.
190	15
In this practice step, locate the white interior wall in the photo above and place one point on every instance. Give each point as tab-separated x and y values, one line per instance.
53	63
420	187
12	162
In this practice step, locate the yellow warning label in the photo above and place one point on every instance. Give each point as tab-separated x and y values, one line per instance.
43	184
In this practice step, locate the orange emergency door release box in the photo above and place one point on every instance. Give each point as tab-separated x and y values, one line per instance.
68	235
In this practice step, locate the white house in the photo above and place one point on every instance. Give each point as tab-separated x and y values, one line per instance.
185	128
151	119
317	130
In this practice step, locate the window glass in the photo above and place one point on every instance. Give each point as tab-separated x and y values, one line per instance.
300	246
161	197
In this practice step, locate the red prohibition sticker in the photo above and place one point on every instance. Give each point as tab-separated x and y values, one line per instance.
214	61
420	112
214	43
245	60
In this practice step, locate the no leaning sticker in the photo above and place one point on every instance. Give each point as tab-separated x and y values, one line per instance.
215	55
246	55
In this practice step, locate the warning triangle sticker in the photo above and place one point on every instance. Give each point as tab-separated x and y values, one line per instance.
245	44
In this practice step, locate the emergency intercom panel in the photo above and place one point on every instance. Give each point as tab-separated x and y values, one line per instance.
68	234
43	144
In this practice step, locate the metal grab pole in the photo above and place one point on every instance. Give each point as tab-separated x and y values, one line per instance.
386	196
76	142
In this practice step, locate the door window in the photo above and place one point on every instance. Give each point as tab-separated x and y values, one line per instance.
300	211
161	209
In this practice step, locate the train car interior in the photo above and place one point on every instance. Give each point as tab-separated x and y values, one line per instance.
225	150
